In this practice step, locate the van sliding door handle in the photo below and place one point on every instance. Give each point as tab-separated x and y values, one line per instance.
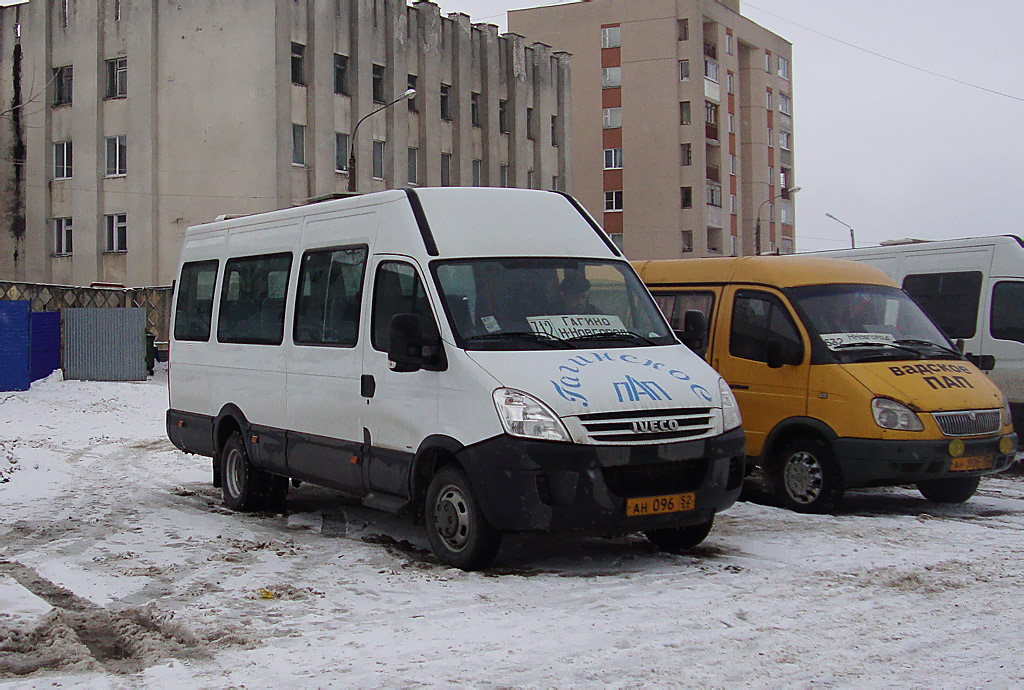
367	386
739	387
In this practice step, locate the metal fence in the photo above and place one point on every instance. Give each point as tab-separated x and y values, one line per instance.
14	346
105	344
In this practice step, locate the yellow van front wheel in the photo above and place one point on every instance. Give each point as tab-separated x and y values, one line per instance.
806	477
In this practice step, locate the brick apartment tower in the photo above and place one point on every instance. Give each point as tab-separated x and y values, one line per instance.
682	118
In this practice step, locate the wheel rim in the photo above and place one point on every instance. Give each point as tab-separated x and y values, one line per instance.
234	472
804	477
451	517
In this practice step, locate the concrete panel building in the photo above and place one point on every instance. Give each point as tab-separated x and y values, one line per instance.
682	123
125	121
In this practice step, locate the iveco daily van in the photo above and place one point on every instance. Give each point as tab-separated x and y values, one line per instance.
483	358
841	378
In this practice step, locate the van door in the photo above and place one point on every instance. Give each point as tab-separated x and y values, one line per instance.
748	320
1003	338
675	303
401	408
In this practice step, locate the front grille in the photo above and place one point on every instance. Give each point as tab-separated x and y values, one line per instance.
631	481
648	426
968	423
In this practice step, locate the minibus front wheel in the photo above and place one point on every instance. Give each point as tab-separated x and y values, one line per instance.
458	532
949	490
806	477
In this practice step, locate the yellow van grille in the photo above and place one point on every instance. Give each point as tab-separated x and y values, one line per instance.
648	426
969	423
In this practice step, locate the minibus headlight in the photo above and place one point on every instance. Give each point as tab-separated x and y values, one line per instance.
890	414
730	409
524	416
1007	415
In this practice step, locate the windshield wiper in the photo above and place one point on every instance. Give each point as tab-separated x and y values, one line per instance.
893	345
531	336
918	341
612	335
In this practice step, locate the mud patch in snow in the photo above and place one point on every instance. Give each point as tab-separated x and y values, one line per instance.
8	463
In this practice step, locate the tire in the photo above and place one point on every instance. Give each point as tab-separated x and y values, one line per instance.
950	489
679	539
245	488
458	532
805	476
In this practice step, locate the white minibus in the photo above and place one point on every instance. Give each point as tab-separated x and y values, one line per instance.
973	288
483	359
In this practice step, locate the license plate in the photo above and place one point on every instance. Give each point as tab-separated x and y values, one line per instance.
656	505
974	462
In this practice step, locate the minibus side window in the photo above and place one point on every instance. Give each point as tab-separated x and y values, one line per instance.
252	300
329	296
674	307
398	290
1007	319
758	317
192	313
950	299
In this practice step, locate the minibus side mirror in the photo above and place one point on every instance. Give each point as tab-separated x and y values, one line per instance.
695	331
408	348
779	353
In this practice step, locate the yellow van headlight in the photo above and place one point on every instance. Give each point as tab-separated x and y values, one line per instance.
1007	415
890	414
523	415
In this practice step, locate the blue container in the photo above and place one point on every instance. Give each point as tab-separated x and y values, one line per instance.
45	343
15	345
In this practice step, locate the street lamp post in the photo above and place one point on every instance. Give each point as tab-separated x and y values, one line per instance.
757	226
853	243
409	93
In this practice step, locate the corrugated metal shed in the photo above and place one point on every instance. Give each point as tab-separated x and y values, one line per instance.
15	345
45	328
105	344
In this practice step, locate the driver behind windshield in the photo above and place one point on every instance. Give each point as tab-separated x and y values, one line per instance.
575	290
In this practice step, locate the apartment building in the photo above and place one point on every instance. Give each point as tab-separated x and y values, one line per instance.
126	121
682	123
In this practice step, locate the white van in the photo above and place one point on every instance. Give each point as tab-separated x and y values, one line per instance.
483	358
973	289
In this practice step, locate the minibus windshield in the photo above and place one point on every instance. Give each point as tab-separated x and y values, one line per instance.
870	322
529	303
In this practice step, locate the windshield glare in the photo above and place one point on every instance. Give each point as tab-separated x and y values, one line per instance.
531	303
858	317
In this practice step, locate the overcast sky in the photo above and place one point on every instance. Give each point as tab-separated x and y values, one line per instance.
891	150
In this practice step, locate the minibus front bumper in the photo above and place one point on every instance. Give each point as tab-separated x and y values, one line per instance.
527	485
871	462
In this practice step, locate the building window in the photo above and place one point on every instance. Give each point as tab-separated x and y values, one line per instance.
771	137
478	166
530	125
616	238
62	151
117	10
771	176
730	81
787	212
414	106
555	186
117	78
612	159
684	70
341	74
117	232
710	113
554	130
728	44
714	191
63	82
732	123
446	102
503	175
612	118
298	54
62	245
298	144
732	163
503	117
785	140
686	154
378	160
687	236
611	77
785	105
613	200
732	205
768	99
474	109
610	37
684	113
65	13
414	165
687	197
711	70
446	169
117	155
683	26
378	83
783	68
340	152
768	62
530	180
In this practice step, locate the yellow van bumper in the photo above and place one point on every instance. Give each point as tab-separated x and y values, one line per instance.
875	462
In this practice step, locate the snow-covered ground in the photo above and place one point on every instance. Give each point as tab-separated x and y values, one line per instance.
120	567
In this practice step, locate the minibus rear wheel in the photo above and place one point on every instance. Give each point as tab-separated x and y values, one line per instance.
679	539
806	477
950	489
456	527
245	487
